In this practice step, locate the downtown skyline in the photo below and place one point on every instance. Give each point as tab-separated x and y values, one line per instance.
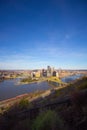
34	34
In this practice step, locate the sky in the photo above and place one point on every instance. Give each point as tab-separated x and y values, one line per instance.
37	33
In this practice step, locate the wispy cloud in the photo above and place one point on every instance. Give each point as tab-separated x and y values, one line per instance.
45	55
63	52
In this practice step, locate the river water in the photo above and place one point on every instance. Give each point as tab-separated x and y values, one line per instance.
71	78
10	89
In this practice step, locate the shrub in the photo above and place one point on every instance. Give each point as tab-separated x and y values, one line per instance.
48	121
83	86
24	103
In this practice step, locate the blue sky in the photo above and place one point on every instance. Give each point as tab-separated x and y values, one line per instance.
37	33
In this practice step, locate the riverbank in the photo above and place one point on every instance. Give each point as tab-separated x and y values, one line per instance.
30	97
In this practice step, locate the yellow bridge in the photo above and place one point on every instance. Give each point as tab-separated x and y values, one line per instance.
54	79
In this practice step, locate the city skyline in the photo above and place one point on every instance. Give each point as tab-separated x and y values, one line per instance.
35	34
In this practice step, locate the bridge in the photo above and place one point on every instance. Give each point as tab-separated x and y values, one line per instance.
55	80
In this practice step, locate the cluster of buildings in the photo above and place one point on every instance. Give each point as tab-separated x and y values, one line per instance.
50	71
10	74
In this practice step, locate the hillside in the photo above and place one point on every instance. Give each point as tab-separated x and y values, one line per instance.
64	109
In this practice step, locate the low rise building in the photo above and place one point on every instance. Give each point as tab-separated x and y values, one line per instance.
37	74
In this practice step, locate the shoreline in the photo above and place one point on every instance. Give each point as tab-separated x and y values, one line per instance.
17	98
9	102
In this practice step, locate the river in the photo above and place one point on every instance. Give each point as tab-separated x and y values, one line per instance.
68	79
10	89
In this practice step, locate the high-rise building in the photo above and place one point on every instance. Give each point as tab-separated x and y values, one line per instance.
48	71
55	74
44	73
52	70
